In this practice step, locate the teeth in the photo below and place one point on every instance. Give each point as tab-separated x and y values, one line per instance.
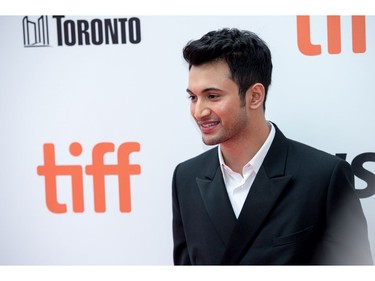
208	125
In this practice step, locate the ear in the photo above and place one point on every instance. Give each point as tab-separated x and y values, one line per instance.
255	96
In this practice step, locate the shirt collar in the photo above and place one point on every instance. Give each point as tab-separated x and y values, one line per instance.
258	158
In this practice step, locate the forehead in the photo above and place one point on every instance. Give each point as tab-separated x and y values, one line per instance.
219	67
211	74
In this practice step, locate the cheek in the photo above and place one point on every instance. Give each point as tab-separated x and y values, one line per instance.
224	110
231	115
191	109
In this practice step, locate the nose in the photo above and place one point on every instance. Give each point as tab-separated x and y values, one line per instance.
200	110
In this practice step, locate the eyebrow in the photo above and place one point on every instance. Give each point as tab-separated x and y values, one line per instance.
205	90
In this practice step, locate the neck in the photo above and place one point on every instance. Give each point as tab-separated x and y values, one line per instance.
239	152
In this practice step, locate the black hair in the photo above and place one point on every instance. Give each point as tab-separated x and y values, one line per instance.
247	55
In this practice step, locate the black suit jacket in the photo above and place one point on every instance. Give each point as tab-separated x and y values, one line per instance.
301	209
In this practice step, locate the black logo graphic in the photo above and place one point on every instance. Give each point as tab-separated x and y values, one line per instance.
80	32
35	33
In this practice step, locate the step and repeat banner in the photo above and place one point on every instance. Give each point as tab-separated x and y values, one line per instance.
94	117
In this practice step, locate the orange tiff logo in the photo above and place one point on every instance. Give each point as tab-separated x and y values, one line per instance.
97	169
333	35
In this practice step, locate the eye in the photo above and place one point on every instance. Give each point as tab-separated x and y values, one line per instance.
212	96
192	97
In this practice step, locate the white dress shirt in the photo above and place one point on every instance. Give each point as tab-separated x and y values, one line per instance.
238	186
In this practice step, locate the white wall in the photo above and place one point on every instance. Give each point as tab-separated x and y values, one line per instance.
135	92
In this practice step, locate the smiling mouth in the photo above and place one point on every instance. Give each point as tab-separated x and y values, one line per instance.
208	126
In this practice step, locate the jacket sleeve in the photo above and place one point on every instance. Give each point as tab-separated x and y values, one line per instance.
345	240
180	251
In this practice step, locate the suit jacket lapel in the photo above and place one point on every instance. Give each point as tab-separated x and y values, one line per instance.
216	201
266	189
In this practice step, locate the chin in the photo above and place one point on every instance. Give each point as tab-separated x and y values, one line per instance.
208	141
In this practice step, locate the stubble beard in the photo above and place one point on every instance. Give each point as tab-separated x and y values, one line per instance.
214	140
228	135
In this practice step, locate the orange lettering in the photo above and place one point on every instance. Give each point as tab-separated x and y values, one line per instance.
359	34
304	37
123	169
50	171
334	34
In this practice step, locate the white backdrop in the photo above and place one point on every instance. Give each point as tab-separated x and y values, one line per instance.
84	90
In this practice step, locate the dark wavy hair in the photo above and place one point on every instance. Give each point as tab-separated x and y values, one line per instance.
247	55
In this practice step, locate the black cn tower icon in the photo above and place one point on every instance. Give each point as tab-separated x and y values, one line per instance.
35	33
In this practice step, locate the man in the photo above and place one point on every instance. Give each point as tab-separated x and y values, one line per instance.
257	197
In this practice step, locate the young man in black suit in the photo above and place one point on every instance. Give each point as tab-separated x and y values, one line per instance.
257	197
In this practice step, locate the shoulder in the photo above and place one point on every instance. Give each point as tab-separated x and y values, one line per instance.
204	156
200	164
305	150
298	155
311	152
314	160
202	159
